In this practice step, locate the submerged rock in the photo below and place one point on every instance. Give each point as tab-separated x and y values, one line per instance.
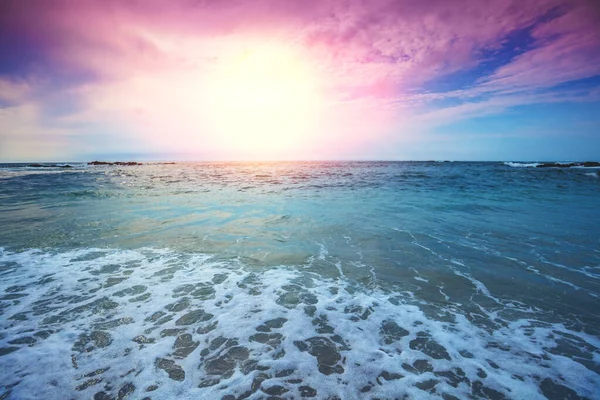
126	390
184	345
28	340
427	345
88	383
175	371
7	350
141	339
225	363
553	390
391	331
194	316
325	352
95	339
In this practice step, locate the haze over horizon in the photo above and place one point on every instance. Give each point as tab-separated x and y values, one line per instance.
299	80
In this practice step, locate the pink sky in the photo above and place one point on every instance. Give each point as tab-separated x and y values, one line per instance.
90	77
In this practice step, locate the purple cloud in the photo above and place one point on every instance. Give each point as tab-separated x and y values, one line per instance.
146	66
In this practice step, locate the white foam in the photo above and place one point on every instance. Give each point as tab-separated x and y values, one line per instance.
521	165
242	301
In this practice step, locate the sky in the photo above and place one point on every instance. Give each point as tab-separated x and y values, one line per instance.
299	80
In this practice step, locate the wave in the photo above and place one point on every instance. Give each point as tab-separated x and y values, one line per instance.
108	322
554	164
521	165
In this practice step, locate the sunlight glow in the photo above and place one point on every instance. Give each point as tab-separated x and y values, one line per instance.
263	101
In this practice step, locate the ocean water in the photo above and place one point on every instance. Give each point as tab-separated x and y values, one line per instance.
347	280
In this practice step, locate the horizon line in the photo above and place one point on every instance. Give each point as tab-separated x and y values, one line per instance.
158	161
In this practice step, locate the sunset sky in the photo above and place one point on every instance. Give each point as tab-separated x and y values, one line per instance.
299	79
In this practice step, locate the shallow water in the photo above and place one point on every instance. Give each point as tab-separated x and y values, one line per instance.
250	280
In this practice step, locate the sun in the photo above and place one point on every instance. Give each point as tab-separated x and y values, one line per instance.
264	101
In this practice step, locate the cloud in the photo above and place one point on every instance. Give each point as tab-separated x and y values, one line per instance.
23	137
353	41
145	66
567	49
13	91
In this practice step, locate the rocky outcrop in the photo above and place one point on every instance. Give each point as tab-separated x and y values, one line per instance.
122	163
586	164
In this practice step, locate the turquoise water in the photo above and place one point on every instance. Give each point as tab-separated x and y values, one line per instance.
348	279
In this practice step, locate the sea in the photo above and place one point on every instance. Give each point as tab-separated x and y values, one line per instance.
289	280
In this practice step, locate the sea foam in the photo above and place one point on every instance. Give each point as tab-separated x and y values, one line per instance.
162	324
521	165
